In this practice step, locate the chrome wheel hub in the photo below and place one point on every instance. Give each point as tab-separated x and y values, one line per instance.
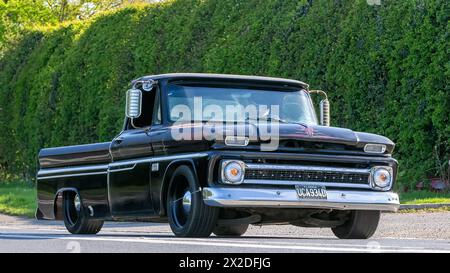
187	202
77	202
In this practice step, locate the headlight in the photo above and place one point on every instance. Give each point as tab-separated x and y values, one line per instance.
233	171
375	148
382	177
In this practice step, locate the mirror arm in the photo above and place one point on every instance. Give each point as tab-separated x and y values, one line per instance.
323	93
132	123
324	107
146	85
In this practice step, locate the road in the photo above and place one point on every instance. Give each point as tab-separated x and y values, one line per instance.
401	232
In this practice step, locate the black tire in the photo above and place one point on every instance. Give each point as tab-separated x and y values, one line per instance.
235	230
188	219
361	224
76	218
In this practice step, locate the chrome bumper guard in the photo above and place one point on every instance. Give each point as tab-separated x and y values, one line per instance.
287	198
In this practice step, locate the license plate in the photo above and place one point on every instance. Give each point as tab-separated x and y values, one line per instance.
311	192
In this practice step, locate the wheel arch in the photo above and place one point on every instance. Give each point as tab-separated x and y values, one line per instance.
192	164
57	201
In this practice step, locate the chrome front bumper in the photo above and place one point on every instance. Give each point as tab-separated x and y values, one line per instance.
286	198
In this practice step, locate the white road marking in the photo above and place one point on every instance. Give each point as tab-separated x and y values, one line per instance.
219	244
414	239
243	239
119	228
299	240
33	229
225	239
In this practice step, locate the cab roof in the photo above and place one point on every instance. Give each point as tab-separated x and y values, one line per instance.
206	77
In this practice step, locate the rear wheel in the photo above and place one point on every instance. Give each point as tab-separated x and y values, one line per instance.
361	224
188	215
76	217
235	230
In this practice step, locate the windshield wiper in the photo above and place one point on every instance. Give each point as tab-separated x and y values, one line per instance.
275	118
285	121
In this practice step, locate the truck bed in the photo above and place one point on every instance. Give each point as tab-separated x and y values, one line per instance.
96	153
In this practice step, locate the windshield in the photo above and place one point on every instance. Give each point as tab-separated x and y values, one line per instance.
222	104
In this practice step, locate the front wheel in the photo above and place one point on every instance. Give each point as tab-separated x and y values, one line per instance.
188	215
361	224
76	217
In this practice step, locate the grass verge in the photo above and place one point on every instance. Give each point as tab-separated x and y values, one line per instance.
442	209
17	199
424	197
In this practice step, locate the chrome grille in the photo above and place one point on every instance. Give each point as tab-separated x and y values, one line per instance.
308	176
274	174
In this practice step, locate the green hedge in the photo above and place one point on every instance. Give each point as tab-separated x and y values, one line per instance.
386	68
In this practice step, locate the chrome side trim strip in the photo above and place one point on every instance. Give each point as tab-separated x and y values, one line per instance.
288	198
292	183
303	168
156	159
70	175
50	171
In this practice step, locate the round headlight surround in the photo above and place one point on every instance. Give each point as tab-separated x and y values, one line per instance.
381	178
233	171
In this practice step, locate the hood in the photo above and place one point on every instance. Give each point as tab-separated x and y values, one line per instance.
310	134
316	133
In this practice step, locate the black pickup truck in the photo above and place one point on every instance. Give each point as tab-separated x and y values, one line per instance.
187	156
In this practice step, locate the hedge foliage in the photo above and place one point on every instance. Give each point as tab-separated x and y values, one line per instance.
385	67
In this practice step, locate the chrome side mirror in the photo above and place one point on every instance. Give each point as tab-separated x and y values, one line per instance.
325	112
324	108
133	105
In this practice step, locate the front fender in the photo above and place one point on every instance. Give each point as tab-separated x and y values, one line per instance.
171	167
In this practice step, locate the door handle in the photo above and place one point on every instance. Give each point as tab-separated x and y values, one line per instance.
121	168
118	140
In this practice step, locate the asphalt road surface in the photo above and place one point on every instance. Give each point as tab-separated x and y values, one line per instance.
401	232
